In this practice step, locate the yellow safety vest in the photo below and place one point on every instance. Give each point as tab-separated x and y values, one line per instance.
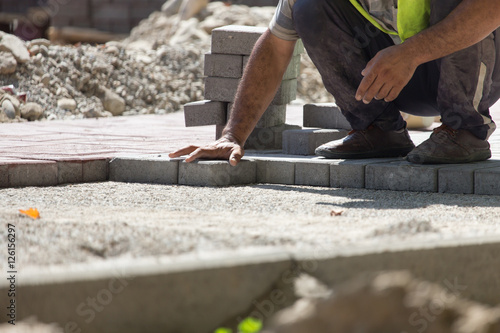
413	17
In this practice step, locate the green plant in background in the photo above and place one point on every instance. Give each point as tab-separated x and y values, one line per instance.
247	325
223	330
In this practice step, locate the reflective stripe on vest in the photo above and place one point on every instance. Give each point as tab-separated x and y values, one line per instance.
413	17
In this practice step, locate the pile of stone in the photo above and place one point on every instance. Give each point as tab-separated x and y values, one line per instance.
386	302
224	66
161	28
85	81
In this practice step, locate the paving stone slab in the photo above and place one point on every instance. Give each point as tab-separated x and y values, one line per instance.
273	116
305	141
95	170
287	92
459	178
157	294
313	173
487	181
268	137
156	169
4	175
217	173
221	89
223	65
33	173
351	173
76	171
276	172
239	39
235	39
204	113
402	176
324	115
69	172
299	48
292	71
224	89
218	131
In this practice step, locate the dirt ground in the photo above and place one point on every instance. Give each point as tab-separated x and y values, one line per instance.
102	221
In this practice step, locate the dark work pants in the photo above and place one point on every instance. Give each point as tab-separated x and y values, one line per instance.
460	87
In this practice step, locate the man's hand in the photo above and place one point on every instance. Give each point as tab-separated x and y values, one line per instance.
386	75
222	149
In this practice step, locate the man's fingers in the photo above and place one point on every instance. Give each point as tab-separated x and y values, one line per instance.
236	156
365	84
183	151
392	95
217	150
372	91
383	92
198	153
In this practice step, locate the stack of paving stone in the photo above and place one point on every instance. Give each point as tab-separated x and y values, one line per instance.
224	66
323	122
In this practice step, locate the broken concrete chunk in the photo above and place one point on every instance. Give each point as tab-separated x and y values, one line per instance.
67	104
112	102
8	63
31	111
15	46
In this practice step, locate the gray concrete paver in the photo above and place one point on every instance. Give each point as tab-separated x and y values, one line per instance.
64	151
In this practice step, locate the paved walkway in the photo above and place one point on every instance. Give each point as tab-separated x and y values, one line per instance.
50	153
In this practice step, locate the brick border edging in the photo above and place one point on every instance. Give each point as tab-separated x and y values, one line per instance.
21	173
377	174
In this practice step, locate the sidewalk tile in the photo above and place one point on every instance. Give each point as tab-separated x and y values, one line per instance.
33	173
217	173
69	172
487	181
313	173
276	172
459	178
95	170
4	175
351	173
156	169
402	176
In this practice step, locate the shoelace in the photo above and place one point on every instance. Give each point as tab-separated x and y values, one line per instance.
447	129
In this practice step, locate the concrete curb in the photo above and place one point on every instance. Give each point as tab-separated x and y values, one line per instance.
260	167
198	293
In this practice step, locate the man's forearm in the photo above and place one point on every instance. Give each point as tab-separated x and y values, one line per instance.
259	84
468	24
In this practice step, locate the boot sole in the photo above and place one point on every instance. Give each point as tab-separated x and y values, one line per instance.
393	152
428	159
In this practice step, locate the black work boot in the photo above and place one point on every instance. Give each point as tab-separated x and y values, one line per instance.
447	145
369	143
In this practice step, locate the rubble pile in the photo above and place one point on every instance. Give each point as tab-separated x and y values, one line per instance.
159	29
87	81
157	69
385	302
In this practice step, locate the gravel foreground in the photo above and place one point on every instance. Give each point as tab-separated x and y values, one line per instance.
102	221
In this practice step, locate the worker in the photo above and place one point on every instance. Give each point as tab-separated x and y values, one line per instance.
377	58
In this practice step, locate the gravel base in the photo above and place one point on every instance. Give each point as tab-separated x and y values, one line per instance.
100	221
